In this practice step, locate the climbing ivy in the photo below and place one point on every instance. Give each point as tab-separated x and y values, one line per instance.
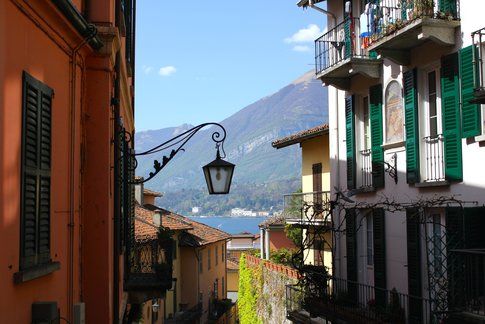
249	282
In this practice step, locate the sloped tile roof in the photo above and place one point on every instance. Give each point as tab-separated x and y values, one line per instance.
145	228
149	192
274	220
300	136
200	234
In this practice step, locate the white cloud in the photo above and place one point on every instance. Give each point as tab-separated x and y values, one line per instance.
301	48
147	69
167	70
304	35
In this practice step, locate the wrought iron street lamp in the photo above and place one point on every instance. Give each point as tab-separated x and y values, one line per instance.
218	173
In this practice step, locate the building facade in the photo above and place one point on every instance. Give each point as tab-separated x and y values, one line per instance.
406	137
66	89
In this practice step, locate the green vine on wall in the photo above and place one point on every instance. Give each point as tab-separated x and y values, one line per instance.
249	290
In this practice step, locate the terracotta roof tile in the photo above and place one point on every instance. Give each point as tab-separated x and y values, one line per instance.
200	233
146	229
274	220
232	264
300	136
149	192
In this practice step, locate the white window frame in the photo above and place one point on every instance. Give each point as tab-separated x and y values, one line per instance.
369	237
360	134
423	110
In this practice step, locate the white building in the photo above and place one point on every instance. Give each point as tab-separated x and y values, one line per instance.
406	145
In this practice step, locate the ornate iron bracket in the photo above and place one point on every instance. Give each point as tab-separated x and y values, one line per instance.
391	168
177	144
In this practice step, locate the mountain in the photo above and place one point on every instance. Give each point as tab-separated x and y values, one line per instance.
300	105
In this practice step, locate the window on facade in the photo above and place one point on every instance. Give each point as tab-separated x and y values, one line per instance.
370	239
432	140
223	286
432	105
318	248
200	262
363	141
208	259
217	255
36	173
174	250
394	113
223	252
216	288
435	238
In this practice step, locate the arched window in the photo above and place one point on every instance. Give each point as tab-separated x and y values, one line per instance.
394	113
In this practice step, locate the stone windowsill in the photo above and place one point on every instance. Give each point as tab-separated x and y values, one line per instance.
36	272
480	138
362	190
388	146
442	183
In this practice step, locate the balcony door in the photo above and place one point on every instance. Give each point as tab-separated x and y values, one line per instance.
363	142
317	188
432	150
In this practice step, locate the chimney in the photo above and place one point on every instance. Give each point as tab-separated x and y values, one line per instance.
157	218
139	192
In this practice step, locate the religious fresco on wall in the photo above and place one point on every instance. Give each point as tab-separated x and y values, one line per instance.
394	108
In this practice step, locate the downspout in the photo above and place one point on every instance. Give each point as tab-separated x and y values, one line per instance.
72	127
325	12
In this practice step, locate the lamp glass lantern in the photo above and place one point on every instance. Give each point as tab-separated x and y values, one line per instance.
218	175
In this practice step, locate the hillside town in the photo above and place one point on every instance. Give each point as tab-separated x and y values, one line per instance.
386	225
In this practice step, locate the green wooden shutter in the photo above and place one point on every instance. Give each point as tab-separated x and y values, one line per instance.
350	235
451	117
36	177
414	265
412	126
380	278
454	261
470	113
448	6
347	33
350	141
375	100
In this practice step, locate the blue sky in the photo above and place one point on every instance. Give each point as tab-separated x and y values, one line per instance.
199	61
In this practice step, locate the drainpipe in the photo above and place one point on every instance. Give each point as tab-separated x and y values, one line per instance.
325	12
72	128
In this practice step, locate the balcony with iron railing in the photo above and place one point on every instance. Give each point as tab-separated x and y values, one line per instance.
148	270
366	169
434	161
397	26
186	315
340	53
478	38
308	208
343	301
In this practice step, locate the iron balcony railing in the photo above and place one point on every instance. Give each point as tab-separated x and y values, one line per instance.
478	38
366	168
434	163
384	17
342	42
352	302
307	206
186	316
470	294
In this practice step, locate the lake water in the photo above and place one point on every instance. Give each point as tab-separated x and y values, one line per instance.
231	225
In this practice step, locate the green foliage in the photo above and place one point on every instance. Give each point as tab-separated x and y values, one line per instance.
283	256
294	233
249	284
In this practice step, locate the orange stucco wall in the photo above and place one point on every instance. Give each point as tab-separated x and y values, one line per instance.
278	240
194	282
35	38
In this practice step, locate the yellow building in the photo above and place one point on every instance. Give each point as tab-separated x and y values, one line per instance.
309	209
198	293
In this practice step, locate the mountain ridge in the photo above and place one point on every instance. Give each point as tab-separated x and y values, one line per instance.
299	105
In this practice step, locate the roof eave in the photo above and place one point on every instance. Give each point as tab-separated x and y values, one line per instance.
299	139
